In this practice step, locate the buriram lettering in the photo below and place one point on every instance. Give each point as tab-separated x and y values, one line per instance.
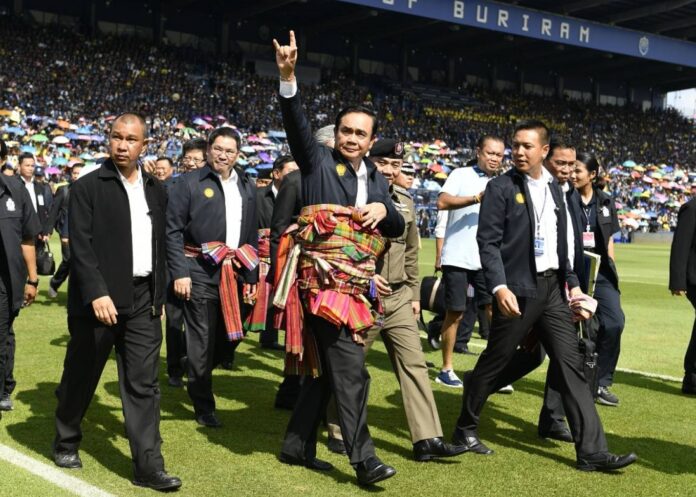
562	30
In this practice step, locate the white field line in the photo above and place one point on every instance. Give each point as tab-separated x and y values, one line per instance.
647	374
50	473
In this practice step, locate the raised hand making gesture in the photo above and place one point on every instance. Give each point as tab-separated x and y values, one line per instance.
286	58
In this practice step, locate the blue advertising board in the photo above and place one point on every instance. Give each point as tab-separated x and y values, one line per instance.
554	28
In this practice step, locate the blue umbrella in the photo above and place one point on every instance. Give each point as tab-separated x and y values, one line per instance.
71	136
242	162
63	150
97	138
265	165
629	163
15	130
251	171
84	130
60	161
28	148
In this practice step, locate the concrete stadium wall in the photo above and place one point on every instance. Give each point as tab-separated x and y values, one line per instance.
664	237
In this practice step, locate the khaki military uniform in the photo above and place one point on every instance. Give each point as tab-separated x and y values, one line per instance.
399	266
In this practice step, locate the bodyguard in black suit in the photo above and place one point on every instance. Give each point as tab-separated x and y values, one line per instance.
523	247
115	298
216	203
340	176
682	280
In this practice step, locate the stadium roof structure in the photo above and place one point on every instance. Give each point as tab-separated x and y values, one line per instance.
380	26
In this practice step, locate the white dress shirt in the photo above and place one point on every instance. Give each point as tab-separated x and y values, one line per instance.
29	185
141	225
570	234
544	209
233	209
274	190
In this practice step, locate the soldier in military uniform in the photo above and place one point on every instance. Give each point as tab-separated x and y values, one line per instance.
398	283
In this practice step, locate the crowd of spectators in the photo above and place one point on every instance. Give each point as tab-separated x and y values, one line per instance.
67	87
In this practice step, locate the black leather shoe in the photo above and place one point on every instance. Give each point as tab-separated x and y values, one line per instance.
314	463
159	480
273	346
175	381
463	349
470	442
605	461
209	421
372	470
432	448
688	388
336	446
70	460
561	434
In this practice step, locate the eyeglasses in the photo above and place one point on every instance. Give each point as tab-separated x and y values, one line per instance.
192	160
219	151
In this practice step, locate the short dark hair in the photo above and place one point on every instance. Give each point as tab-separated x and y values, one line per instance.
535	125
227	132
482	141
3	149
129	116
164	157
559	143
194	144
359	109
25	155
280	162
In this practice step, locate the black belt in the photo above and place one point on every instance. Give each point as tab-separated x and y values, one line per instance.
547	274
141	280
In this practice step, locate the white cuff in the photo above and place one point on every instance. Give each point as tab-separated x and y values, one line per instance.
495	290
288	89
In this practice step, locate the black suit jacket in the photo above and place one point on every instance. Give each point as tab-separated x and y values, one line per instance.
575	209
506	235
327	178
264	204
101	252
682	258
288	205
44	199
196	214
58	215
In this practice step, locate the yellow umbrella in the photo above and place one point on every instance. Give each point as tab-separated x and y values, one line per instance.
441	176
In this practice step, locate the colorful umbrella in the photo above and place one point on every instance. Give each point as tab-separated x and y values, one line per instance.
39	138
61	140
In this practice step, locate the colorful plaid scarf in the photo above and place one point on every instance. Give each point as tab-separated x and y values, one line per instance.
217	253
257	319
330	258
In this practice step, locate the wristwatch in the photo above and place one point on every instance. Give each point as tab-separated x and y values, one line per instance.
35	283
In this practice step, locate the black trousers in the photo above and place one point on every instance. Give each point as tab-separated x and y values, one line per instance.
206	344
611	325
63	270
137	338
690	357
176	340
7	339
550	315
344	375
523	362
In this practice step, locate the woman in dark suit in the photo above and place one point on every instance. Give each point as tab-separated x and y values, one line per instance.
600	222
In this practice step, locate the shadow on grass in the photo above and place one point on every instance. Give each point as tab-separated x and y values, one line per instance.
101	427
652	384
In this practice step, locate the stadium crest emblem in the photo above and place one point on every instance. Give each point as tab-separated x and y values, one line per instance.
208	192
644	46
340	169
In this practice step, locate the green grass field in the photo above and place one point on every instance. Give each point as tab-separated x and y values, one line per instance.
654	419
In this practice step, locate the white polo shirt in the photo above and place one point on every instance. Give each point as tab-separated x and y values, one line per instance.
460	248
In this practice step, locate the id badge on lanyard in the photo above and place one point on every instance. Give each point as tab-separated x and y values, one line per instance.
538	246
588	239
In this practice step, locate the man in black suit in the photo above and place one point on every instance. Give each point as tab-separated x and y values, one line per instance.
19	227
265	202
682	280
58	220
524	253
212	258
115	298
340	176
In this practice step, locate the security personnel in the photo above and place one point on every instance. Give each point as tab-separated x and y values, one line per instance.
398	283
524	253
115	297
211	227
339	176
19	227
